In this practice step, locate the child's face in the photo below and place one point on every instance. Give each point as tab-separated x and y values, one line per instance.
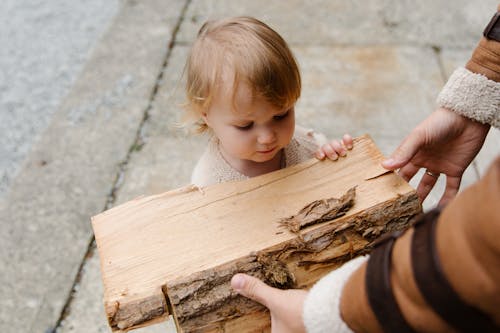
255	132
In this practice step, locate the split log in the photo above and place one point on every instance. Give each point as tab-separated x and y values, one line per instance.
175	253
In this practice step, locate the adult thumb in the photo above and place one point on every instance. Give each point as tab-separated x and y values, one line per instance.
405	151
252	288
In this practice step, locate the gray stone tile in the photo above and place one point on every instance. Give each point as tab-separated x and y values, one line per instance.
167	112
165	163
338	22
86	313
45	46
45	218
382	91
169	153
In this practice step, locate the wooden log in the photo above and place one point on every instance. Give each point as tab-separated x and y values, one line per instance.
175	253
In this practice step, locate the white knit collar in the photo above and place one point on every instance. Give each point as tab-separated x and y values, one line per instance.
289	151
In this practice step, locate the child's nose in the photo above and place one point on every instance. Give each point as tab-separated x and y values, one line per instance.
266	136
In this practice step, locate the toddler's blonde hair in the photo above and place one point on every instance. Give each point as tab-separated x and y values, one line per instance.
256	54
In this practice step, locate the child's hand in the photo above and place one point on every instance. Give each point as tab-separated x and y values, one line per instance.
334	148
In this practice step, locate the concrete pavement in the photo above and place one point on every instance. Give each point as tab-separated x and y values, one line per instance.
45	45
371	67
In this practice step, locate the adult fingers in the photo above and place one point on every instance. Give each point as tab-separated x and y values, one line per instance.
451	190
426	184
405	151
408	171
253	288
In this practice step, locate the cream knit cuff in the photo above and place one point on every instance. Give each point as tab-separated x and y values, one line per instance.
473	96
322	304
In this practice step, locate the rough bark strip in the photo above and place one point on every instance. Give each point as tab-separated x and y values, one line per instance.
320	211
205	302
136	313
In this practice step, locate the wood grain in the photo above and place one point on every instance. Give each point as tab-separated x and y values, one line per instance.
176	252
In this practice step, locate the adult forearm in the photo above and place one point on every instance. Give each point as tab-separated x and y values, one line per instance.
467	247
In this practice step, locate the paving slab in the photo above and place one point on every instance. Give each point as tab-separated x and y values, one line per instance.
90	310
45	218
170	152
356	22
380	90
45	45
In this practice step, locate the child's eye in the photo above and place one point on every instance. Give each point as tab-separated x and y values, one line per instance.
281	116
244	128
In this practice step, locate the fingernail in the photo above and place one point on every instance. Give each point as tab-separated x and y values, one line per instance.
388	163
238	282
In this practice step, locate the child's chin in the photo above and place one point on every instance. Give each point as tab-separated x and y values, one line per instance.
264	158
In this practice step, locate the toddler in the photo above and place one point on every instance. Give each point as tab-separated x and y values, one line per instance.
242	86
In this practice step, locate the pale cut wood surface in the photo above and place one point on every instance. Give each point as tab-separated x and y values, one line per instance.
152	246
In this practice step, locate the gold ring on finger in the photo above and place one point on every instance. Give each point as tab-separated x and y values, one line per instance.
432	174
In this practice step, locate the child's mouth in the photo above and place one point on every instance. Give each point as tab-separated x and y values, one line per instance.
266	151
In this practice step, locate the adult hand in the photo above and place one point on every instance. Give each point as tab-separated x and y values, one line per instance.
444	142
285	305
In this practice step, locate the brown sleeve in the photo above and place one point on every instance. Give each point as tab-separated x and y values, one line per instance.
469	251
468	242
486	58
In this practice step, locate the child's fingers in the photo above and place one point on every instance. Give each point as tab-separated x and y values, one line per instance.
334	149
320	155
347	141
330	151
338	147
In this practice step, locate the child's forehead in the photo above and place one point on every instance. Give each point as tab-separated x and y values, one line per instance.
238	92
